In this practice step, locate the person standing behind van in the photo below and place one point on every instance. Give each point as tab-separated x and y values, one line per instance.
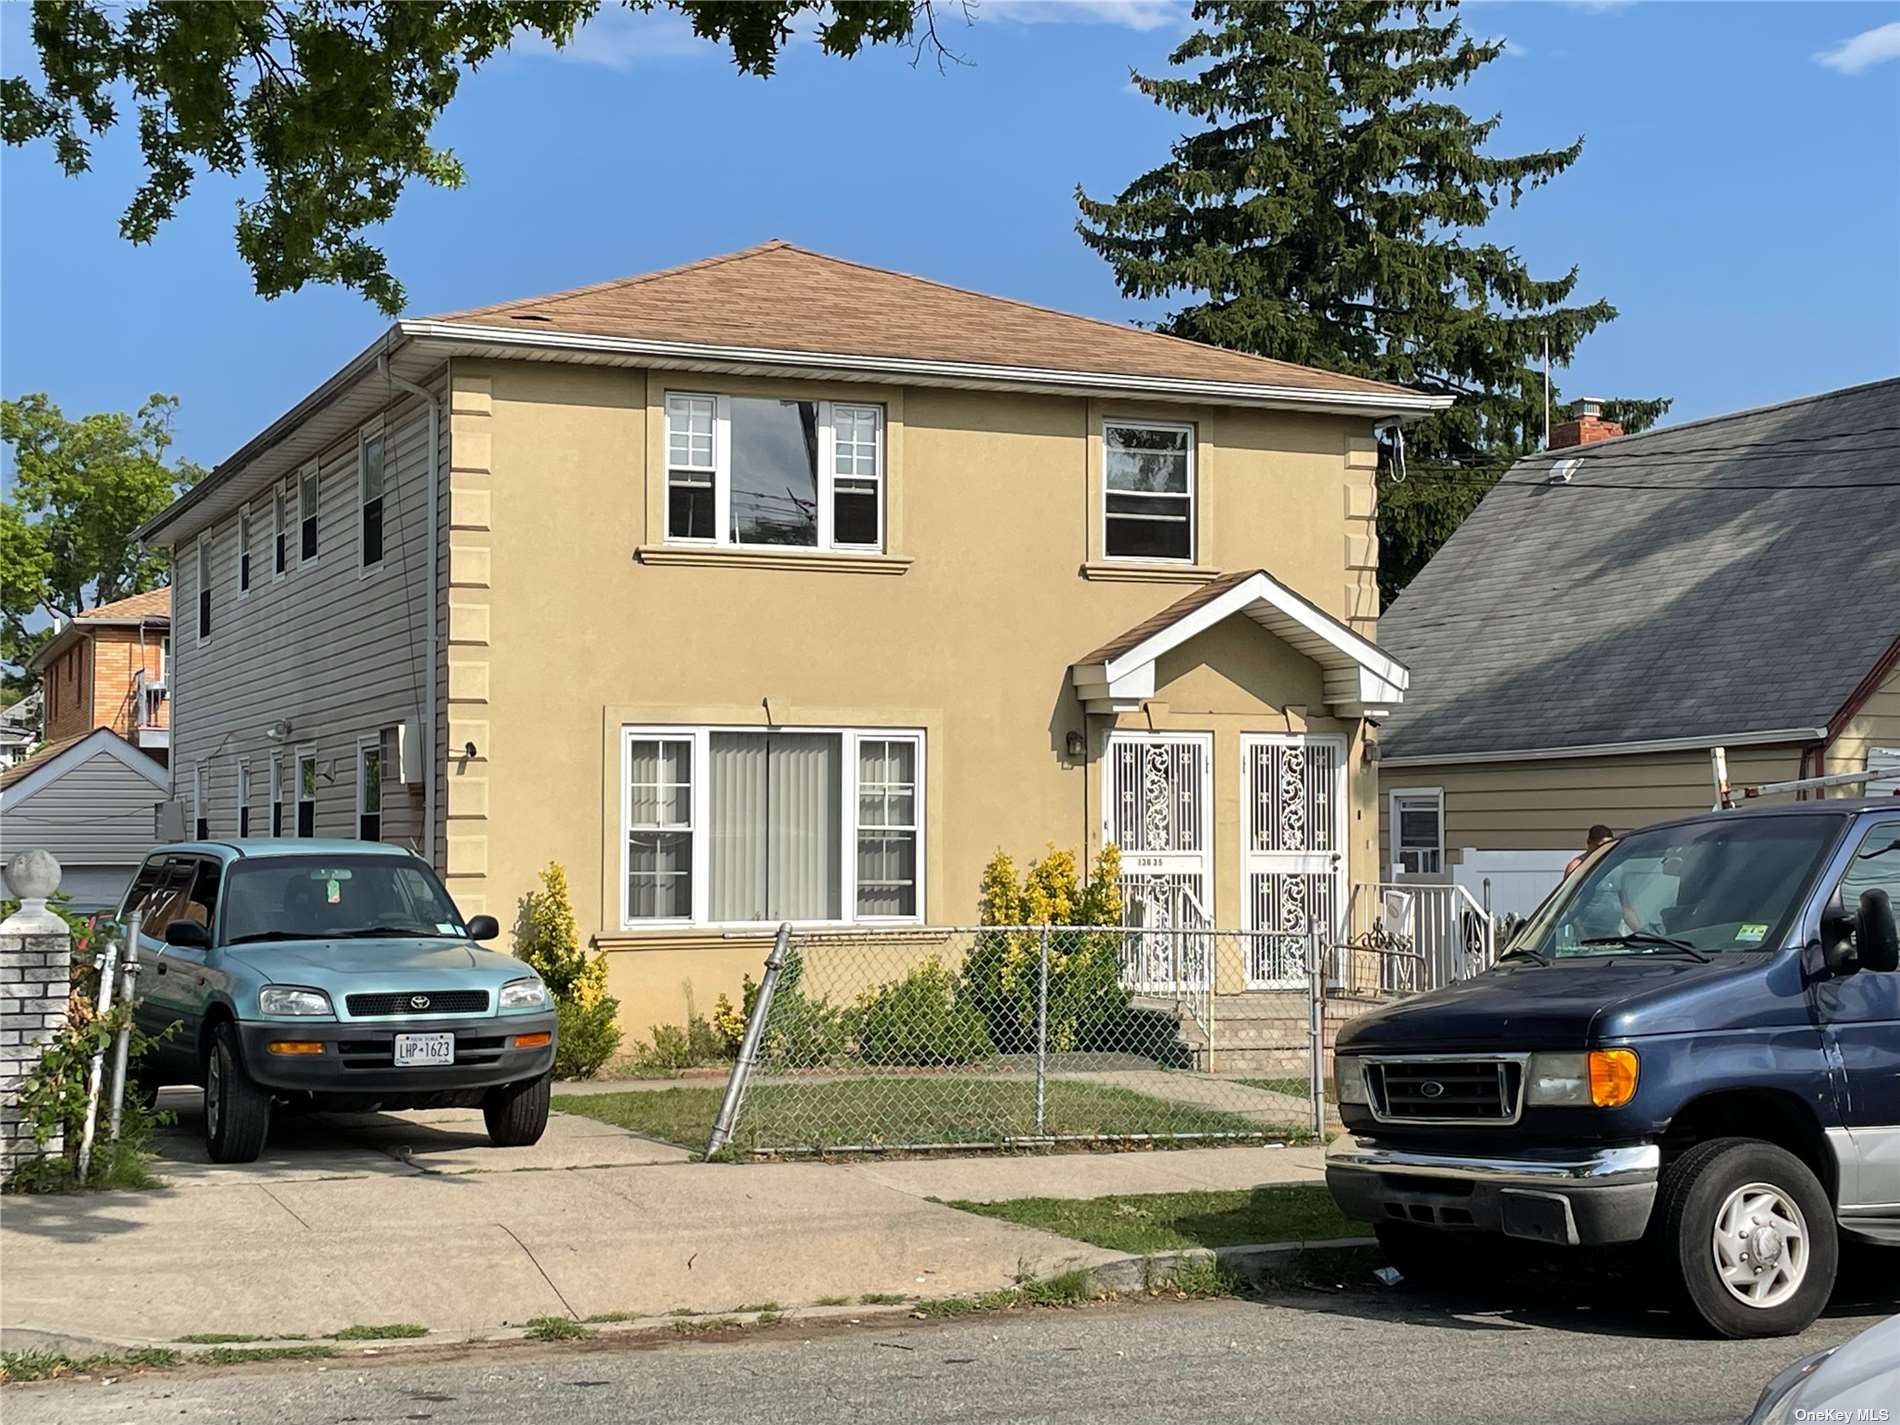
1597	836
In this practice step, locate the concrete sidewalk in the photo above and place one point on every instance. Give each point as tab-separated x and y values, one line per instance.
415	1218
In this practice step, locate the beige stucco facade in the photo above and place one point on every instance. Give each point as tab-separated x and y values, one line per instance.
569	617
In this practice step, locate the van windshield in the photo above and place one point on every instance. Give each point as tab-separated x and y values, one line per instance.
334	898
1732	884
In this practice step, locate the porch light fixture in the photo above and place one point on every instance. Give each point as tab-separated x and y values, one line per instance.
1076	745
279	730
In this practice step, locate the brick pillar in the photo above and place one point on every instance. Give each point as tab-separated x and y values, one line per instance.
36	953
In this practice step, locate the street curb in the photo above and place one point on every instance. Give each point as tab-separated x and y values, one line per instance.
1251	1262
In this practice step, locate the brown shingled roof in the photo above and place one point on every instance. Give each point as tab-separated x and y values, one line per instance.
780	297
153	603
1173	613
46	753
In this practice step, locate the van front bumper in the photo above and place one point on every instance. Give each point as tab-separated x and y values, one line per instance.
1569	1197
357	1057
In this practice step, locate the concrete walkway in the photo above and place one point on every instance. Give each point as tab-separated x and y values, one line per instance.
415	1218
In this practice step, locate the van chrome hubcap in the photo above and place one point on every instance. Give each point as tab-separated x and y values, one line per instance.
1760	1245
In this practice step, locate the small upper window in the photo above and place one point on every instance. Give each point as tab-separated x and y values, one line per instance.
244	798
1148	488
279	531
244	550
371	493
309	489
760	471
204	586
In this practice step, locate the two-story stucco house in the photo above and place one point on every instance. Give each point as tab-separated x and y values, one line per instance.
779	587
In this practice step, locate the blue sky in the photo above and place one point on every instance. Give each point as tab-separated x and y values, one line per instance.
1736	196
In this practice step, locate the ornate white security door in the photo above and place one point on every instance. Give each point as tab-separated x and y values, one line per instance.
1293	853
1156	807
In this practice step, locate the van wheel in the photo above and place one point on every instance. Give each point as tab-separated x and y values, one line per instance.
237	1110
517	1114
1747	1231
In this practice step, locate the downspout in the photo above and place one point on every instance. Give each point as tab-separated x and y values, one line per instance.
428	719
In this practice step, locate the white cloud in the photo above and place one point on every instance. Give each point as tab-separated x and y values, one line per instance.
1863	51
1134	14
616	38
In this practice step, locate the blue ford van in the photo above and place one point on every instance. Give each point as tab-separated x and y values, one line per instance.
1693	1045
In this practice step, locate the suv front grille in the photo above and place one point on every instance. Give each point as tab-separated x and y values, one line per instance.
1446	1090
418	1002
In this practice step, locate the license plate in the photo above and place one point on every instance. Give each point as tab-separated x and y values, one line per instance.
415	1050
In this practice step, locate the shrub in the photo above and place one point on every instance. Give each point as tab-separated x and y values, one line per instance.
693	1045
919	1019
1001	976
52	1103
587	1030
800	1031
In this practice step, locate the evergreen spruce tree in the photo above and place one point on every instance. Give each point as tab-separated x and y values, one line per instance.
1326	211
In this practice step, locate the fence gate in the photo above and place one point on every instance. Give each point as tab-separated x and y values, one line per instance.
1156	807
1293	801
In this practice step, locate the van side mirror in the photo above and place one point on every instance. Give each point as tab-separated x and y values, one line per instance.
484	927
189	935
1876	940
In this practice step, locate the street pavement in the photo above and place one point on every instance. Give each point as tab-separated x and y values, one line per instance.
415	1217
1345	1358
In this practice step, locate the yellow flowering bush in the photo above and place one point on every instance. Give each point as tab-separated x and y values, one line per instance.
1001	977
587	1031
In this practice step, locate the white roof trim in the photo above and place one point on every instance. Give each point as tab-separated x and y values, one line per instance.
1241	392
99	740
1615	749
1361	679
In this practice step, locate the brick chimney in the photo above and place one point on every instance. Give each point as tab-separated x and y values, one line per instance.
1586	426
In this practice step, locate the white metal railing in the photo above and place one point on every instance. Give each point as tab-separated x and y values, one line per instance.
148	699
1451	933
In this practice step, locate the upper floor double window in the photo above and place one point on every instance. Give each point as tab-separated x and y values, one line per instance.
1148	491
752	470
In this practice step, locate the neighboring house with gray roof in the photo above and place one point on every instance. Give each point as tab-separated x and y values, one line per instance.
1617	606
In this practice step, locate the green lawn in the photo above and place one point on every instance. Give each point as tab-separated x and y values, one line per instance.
1173	1221
906	1109
1296	1087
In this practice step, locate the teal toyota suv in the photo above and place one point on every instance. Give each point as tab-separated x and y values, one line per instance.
337	975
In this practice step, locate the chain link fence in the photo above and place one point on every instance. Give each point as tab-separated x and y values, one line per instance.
1007	1036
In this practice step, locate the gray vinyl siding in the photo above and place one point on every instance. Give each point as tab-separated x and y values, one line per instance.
97	819
337	653
1550	804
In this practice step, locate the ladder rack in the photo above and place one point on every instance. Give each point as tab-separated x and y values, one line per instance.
1725	794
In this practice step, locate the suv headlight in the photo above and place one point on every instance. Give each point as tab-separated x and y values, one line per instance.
523	994
1349	1079
1597	1078
290	999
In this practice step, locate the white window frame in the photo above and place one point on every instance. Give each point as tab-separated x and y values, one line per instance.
1193	491
243	796
202	591
241	568
700	735
378	435
1394	859
198	813
310	477
280	497
305	754
827	476
371	743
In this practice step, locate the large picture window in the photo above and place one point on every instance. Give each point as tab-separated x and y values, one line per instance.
753	470
1148	491
746	826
